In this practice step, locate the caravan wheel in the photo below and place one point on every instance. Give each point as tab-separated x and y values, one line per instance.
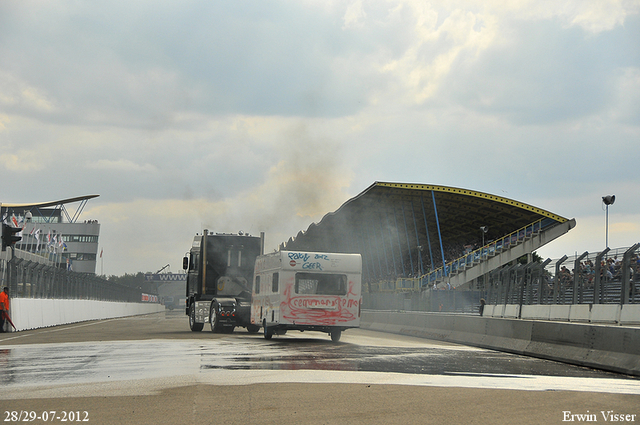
267	332
335	335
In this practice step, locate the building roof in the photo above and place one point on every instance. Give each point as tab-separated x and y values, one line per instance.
50	203
57	205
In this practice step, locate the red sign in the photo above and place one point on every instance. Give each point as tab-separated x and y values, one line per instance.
292	263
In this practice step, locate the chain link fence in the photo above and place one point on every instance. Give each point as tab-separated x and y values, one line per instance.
31	276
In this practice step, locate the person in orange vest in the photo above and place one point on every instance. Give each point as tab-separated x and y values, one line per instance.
4	307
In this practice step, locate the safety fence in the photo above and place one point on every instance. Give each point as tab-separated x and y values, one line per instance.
607	277
591	279
30	276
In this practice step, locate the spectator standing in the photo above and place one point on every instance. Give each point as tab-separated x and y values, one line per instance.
4	308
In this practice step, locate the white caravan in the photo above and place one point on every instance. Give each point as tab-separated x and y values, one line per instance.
307	291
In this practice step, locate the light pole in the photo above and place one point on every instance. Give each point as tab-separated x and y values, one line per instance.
607	200
484	230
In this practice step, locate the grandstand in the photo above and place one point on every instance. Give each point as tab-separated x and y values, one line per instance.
415	236
54	234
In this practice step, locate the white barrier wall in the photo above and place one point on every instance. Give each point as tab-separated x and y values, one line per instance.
603	346
33	313
623	314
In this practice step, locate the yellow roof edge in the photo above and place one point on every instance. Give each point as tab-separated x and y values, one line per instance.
475	193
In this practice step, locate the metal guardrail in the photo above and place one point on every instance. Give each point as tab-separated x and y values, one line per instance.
489	250
31	276
468	260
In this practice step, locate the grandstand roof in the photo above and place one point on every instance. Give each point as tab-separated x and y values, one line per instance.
394	219
57	205
49	203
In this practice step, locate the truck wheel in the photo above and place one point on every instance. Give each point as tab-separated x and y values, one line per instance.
267	332
195	327
335	335
253	329
213	319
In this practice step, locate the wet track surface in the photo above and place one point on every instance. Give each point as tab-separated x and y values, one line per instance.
107	361
204	354
152	370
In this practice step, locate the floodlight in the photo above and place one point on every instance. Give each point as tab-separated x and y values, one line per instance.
609	199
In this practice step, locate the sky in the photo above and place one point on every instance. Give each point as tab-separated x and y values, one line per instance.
263	116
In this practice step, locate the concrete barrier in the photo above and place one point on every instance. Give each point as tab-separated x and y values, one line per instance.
536	312
608	347
498	310
488	310
511	310
627	314
580	313
605	313
630	314
33	313
559	312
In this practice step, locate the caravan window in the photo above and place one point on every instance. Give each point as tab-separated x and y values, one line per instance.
321	284
257	285
274	283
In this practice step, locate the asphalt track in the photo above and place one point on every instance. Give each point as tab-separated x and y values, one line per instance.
152	369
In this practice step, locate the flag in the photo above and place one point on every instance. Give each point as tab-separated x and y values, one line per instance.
61	243
37	240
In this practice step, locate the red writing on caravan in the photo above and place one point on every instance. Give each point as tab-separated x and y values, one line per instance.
322	310
305	302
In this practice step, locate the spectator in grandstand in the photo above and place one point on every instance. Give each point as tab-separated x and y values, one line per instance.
565	276
614	267
586	273
606	270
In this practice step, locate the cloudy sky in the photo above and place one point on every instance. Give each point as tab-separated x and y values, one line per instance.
266	115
